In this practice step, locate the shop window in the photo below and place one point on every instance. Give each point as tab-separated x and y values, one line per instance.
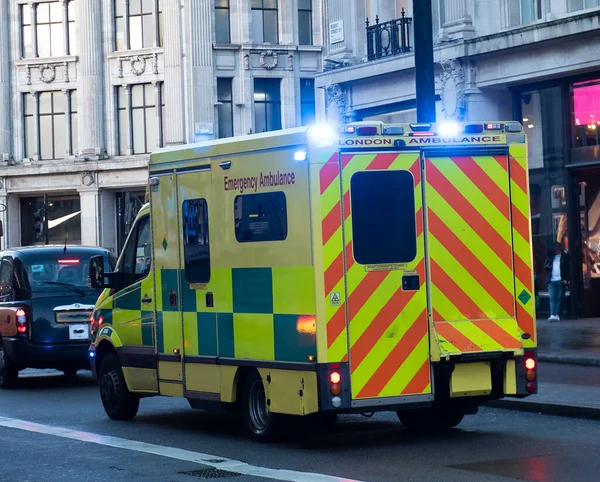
222	26
265	24
64	220
524	11
260	217
196	248
576	5
383	217
307	101
138	24
305	22
586	113
225	107
267	104
44	28
140	121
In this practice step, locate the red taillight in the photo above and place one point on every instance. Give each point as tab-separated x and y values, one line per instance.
21	321
530	363
530	387
335	377
68	261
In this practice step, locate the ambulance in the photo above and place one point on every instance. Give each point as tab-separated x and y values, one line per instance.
326	270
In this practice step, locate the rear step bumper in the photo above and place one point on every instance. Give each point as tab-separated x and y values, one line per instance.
36	355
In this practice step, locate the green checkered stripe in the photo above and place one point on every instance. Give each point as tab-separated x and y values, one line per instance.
258	313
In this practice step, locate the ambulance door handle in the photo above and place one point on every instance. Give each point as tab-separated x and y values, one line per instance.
172	298
146	300
210	300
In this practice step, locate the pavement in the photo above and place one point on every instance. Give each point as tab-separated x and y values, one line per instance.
568	371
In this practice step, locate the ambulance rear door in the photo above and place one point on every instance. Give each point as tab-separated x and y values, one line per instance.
384	259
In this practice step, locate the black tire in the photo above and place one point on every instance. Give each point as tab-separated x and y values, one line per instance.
9	373
430	420
119	403
261	424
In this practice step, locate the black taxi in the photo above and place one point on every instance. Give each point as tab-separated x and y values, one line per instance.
45	309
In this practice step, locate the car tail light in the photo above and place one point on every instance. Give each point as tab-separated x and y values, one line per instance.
21	321
530	387
530	363
95	324
531	372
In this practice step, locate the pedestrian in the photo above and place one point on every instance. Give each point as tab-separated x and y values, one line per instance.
557	264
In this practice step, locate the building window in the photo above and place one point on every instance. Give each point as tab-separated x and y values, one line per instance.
196	249
267	104
50	124
305	22
140	122
307	101
265	25
383	217
222	28
260	217
575	5
138	24
225	107
442	12
524	11
586	112
48	29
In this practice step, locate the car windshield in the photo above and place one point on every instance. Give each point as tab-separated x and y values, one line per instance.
42	274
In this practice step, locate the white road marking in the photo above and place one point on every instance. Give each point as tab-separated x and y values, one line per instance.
171	452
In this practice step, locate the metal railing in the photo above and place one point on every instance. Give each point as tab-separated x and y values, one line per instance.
388	38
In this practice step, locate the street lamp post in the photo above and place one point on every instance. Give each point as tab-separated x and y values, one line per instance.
424	73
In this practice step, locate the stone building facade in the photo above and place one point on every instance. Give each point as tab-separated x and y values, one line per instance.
88	88
535	61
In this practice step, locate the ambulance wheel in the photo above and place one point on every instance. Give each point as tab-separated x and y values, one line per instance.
430	419
9	373
119	403
261	424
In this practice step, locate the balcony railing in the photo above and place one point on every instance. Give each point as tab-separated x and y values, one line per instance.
388	38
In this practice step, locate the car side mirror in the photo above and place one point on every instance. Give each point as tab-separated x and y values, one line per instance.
98	278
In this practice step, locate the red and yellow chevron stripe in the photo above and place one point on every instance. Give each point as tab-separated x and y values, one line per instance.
388	332
473	224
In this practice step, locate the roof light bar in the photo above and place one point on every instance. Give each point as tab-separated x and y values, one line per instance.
420	127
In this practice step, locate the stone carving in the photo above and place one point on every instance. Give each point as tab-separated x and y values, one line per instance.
337	96
138	64
246	62
268	65
88	178
290	63
453	89
47	79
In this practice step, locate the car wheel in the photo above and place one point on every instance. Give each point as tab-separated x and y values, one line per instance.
9	373
262	424
119	403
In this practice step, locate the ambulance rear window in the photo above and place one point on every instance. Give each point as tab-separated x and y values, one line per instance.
260	217
196	249
383	217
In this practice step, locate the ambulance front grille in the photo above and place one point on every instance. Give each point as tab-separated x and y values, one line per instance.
73	316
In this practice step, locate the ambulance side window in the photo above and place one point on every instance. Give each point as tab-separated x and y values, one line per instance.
383	217
260	217
196	249
137	257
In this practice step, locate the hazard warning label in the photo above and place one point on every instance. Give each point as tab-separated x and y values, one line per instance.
334	299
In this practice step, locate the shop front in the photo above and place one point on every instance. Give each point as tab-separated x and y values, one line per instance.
562	120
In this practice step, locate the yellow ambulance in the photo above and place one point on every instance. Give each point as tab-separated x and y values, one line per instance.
326	270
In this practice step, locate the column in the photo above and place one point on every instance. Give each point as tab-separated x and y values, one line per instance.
159	112
174	115
12	229
5	110
457	21
156	24
68	110
108	220
287	10
290	100
129	119
65	7
89	216
37	155
4	217
34	42
90	82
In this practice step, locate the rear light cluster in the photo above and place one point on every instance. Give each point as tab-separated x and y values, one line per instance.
95	324
531	373
21	321
335	384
